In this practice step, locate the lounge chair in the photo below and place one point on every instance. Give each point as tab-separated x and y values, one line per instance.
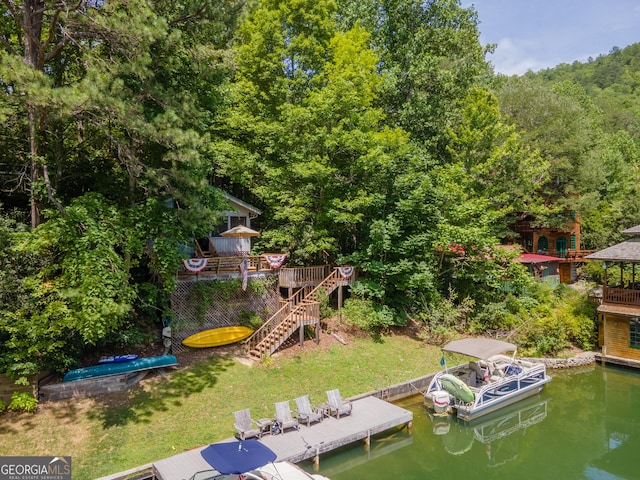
337	406
307	413
283	416
247	427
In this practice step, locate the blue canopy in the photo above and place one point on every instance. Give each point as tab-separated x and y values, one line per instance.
238	457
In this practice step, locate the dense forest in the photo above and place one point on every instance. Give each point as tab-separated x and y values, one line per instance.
370	132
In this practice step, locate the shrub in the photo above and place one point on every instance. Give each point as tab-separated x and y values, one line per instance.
366	315
23	402
3	407
249	318
444	319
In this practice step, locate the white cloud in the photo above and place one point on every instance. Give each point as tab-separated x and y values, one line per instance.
535	35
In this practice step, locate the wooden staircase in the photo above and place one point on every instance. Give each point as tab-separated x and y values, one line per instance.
301	309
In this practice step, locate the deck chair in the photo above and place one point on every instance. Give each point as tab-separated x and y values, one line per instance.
307	413
283	416
245	425
337	406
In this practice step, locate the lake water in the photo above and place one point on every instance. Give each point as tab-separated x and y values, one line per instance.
585	424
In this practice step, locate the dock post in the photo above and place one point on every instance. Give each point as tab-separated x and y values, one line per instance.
367	441
316	460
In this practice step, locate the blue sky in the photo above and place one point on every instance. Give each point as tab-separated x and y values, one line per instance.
538	34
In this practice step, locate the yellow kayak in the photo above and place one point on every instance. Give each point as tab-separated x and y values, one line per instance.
217	336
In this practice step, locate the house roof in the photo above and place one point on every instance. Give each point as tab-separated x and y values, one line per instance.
536	258
236	201
627	251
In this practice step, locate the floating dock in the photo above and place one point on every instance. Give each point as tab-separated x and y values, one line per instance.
369	416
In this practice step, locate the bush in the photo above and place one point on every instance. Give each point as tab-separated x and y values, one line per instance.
23	402
3	407
250	318
543	336
366	315
444	319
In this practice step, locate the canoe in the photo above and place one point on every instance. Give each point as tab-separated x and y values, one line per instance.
216	337
116	368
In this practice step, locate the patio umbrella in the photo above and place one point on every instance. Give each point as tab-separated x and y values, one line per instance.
240	231
235	458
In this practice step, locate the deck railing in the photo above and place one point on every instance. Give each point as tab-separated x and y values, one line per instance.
570	255
620	296
228	265
301	276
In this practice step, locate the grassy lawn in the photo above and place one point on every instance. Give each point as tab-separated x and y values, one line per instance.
194	405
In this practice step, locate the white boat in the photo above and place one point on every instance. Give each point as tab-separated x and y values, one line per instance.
489	382
271	471
248	459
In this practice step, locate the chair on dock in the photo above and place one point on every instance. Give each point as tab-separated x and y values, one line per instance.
247	427
307	413
337	406
283	416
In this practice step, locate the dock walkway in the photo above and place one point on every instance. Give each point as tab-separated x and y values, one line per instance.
369	416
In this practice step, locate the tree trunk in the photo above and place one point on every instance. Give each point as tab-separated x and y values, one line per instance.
33	11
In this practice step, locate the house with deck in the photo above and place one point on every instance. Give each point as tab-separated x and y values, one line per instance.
561	245
619	310
287	299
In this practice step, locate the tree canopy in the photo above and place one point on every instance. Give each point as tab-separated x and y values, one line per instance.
372	132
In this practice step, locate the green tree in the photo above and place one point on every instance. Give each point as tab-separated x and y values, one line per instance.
122	149
430	56
304	134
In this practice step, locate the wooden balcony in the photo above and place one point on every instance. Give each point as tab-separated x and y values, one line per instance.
225	267
621	296
568	255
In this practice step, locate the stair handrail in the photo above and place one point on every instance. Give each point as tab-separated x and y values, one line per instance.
296	300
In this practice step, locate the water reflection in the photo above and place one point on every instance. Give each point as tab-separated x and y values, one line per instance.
458	437
584	425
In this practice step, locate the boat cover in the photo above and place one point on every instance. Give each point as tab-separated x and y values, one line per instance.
235	458
117	368
482	348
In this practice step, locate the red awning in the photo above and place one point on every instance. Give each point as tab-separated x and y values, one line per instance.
536	258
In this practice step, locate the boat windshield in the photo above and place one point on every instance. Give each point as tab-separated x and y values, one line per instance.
482	348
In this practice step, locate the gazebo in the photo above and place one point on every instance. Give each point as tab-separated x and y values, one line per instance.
619	312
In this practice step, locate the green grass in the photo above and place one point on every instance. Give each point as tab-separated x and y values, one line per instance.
194	406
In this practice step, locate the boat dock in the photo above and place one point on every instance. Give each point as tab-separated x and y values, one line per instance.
369	416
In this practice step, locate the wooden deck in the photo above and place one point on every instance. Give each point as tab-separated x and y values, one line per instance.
369	416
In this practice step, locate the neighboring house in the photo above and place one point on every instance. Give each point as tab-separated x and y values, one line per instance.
542	267
561	243
619	311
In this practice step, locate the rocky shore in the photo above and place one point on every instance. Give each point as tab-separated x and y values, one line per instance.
580	360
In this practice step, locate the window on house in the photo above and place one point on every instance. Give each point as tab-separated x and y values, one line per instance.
572	242
634	332
543	244
238	221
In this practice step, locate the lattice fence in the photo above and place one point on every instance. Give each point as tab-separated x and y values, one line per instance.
202	305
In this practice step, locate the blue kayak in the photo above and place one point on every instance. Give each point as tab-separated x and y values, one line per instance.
116	368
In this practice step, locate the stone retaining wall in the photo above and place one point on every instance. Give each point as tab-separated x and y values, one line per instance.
585	358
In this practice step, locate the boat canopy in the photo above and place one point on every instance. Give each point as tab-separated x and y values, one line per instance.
482	348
